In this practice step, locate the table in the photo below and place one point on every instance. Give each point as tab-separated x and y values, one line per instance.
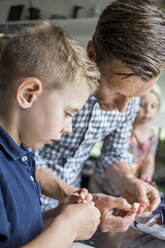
129	239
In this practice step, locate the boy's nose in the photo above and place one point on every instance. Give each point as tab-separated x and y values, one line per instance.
68	128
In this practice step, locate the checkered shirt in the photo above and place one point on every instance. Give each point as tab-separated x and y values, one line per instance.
67	157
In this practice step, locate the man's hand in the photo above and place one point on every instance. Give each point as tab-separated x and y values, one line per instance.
137	190
109	222
132	188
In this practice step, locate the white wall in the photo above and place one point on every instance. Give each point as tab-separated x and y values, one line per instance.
49	7
63	7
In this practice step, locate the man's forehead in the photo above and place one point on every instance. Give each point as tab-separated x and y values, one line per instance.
115	75
114	65
130	87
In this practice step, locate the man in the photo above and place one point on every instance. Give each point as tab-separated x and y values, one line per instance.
129	48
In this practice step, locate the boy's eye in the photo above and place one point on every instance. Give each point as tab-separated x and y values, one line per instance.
67	114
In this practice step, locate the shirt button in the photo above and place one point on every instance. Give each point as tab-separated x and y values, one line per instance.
24	158
32	178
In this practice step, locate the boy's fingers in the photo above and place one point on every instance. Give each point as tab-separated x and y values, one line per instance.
82	196
83	191
89	198
92	204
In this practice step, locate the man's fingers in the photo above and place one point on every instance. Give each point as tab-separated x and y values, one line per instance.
141	193
149	195
121	203
117	223
155	201
154	198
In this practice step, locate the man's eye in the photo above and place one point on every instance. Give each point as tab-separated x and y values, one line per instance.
67	114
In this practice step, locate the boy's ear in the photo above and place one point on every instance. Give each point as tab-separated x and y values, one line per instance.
91	51
27	91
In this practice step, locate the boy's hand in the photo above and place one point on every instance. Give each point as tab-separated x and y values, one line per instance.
81	196
109	222
84	219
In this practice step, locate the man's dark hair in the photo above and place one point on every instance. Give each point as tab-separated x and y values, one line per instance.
132	31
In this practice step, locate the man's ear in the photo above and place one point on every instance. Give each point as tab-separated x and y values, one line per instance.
91	51
27	91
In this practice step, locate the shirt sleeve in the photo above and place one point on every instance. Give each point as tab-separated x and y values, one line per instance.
116	144
5	226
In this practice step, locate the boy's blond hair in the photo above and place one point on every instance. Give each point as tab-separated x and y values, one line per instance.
48	52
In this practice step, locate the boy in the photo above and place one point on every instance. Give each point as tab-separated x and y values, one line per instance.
45	78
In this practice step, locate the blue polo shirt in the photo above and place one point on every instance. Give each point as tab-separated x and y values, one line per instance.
20	208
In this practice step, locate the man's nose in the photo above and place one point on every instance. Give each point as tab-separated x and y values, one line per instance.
122	103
